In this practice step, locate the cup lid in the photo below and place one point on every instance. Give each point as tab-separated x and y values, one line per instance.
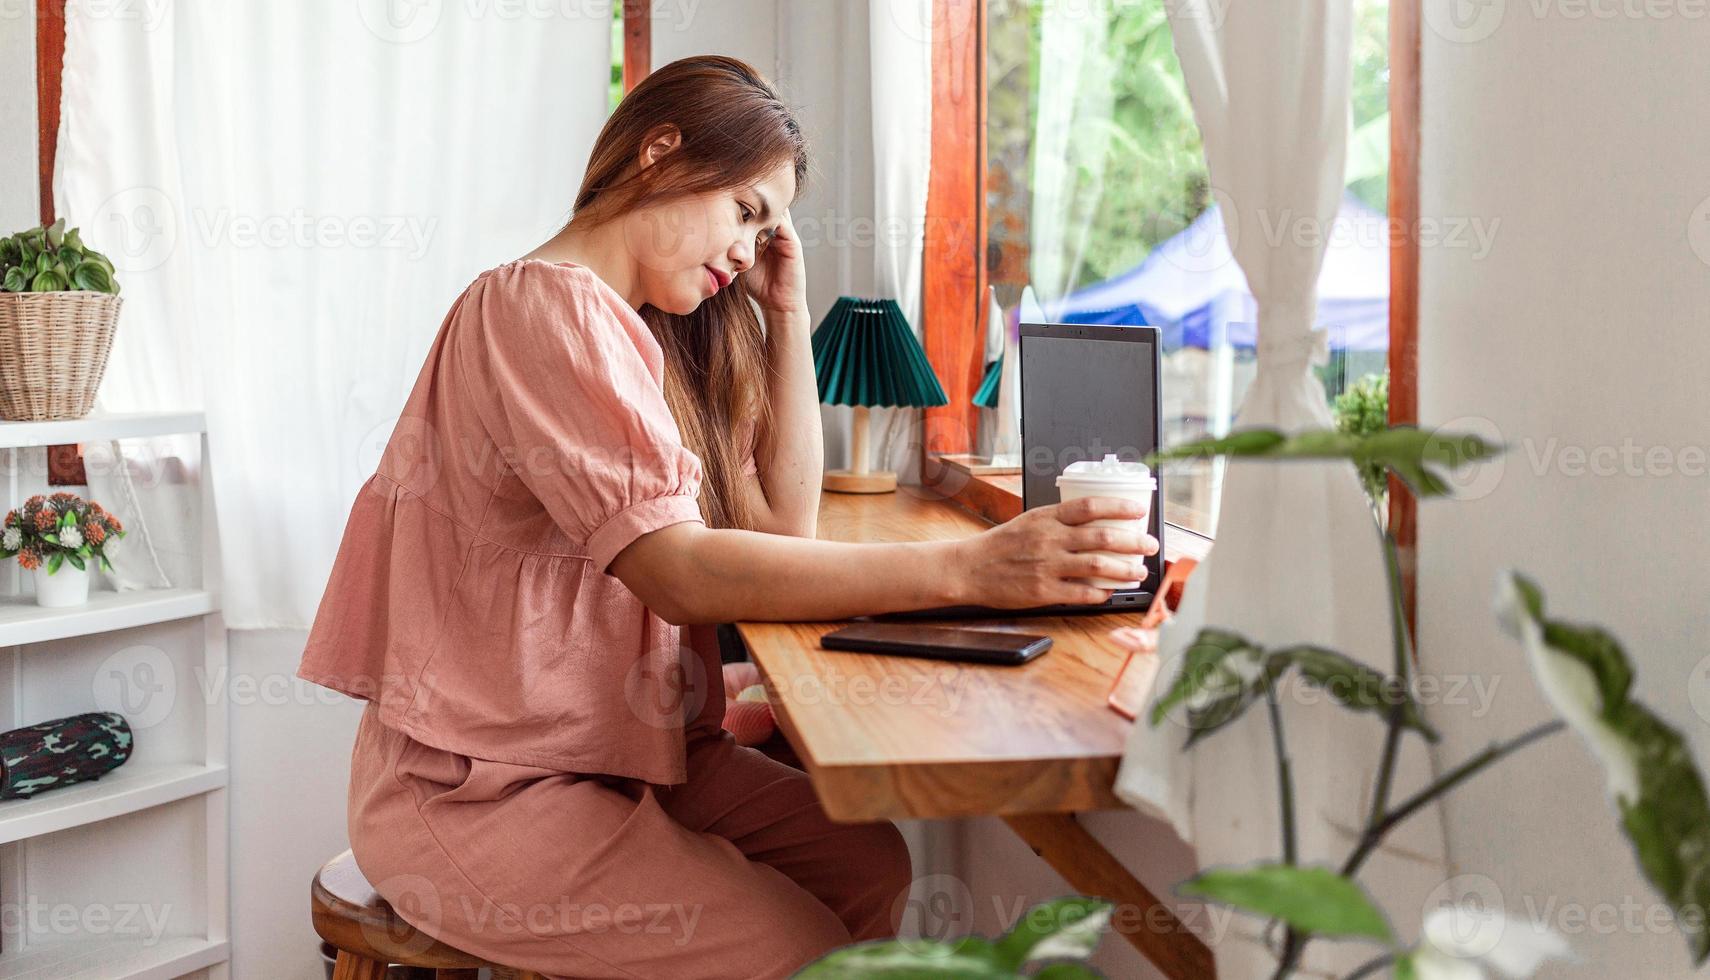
1110	469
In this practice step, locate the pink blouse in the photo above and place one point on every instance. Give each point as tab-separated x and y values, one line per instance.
470	595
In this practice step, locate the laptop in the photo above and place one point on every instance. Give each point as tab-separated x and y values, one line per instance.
1086	390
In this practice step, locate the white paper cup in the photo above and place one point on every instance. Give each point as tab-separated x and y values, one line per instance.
1110	477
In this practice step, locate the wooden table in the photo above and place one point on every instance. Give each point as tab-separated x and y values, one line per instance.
894	737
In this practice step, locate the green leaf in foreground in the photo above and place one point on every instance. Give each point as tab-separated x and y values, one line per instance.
1061	928
1212	668
1066	971
1420	458
1066	929
970	958
1650	772
1311	899
1354	685
1222	676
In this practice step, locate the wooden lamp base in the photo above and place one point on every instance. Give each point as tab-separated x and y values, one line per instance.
860	479
849	481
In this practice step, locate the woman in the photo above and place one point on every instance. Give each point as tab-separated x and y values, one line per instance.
525	586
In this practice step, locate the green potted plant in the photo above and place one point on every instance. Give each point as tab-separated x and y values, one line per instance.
59	304
1363	410
59	538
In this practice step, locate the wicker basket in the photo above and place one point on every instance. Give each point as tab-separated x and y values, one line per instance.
53	351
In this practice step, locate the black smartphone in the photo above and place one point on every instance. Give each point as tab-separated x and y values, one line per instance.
938	642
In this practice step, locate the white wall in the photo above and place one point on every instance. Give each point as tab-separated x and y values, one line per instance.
290	755
746	29
1587	324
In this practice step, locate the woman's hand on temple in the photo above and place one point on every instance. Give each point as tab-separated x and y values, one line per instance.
1043	556
778	281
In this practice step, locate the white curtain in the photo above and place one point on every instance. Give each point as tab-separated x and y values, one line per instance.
125	201
1071	140
293	194
900	45
1296	557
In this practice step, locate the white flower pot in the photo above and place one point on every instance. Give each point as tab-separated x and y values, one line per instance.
67	587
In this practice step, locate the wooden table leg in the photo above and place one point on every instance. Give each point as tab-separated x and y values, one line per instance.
1092	870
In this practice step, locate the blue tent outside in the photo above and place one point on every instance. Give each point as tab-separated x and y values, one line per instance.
1191	287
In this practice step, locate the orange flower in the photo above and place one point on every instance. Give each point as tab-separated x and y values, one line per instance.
45	520
29	559
93	532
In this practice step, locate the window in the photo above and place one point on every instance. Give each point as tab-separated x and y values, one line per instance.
616	89
1096	195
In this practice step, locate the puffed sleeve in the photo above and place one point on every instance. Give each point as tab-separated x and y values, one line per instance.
571	389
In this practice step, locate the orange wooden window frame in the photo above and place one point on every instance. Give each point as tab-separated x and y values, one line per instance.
637	42
50	63
954	272
65	462
1404	89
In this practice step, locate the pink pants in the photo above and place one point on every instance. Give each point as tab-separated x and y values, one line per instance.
736	873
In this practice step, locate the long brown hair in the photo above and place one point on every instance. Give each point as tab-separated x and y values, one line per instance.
735	129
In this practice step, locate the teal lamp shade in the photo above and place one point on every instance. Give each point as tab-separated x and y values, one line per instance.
865	355
986	396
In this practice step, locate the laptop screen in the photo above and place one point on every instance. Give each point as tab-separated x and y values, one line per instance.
1087	391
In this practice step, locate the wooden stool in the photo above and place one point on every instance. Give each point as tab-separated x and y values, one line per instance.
349	914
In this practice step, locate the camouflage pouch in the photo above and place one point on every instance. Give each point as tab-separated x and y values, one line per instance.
61	752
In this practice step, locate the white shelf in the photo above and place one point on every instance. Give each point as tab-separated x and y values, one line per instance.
109	958
22	621
126	789
78	845
94	428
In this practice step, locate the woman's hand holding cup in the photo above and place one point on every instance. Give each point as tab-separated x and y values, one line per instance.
1059	553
